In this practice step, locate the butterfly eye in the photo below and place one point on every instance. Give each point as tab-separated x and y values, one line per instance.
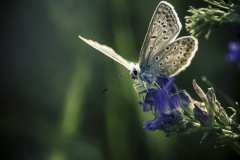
135	72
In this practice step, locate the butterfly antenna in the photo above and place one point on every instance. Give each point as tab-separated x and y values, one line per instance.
114	81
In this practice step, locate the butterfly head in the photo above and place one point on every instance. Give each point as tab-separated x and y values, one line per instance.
134	73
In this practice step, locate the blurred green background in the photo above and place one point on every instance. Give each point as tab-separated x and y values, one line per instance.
51	105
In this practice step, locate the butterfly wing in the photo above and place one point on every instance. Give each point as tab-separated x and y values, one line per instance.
174	57
164	27
108	52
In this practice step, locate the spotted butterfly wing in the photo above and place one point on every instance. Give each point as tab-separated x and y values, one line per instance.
164	27
174	57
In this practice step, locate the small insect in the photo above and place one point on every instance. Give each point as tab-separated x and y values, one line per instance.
161	53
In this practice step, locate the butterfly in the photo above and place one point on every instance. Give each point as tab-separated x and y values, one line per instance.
161	55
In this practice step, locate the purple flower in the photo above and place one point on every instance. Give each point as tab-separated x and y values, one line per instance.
165	104
168	107
152	125
148	102
234	53
186	102
203	117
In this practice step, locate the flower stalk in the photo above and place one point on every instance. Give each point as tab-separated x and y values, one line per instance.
210	19
176	111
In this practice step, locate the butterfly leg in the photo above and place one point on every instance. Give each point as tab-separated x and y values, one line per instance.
145	85
135	87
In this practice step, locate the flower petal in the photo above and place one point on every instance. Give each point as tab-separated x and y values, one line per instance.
203	117
152	125
148	102
186	102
